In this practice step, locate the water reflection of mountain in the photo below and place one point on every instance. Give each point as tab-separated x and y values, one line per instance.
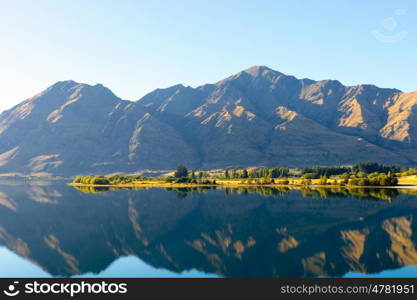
232	233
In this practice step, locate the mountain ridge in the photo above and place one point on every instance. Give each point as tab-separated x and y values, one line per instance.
257	117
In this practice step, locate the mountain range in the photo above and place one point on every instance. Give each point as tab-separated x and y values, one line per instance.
257	117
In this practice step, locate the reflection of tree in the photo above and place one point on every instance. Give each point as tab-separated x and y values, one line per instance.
357	193
370	194
103	189
92	189
181	193
185	191
363	194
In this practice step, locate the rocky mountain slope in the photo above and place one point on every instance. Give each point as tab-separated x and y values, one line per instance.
256	117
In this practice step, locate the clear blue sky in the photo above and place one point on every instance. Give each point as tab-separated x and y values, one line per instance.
136	46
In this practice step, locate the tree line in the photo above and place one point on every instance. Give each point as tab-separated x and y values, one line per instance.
361	174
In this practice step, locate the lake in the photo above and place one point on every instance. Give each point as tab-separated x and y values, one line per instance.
51	229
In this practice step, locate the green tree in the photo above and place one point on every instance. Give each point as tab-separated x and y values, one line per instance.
251	173
191	175
77	179
99	180
323	180
181	172
86	180
245	173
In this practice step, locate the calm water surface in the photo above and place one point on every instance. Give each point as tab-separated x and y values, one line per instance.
51	229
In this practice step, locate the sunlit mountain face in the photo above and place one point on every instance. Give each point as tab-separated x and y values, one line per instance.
257	117
258	232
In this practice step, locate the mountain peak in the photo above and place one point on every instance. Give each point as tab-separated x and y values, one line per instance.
73	86
254	72
64	84
259	70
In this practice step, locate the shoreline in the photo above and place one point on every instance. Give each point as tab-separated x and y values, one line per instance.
227	185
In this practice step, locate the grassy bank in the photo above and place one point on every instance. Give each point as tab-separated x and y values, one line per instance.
292	183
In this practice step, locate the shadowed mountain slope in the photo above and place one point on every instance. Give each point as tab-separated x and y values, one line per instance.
256	117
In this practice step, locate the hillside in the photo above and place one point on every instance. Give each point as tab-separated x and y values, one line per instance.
256	117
